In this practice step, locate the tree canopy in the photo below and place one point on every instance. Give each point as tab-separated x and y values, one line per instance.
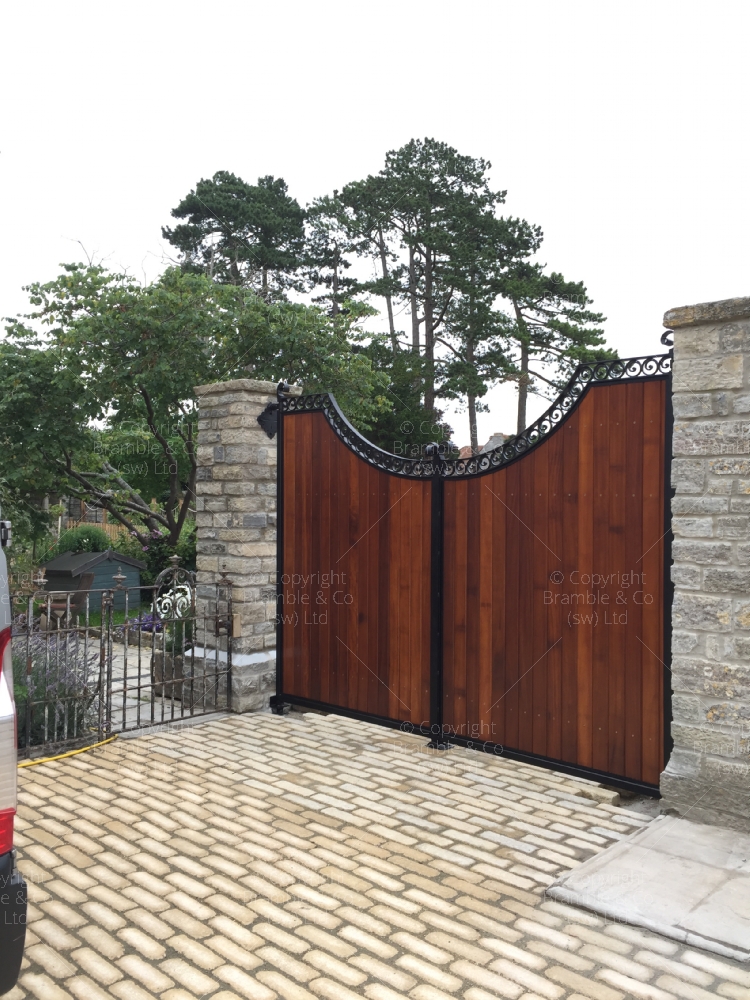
403	289
250	235
104	370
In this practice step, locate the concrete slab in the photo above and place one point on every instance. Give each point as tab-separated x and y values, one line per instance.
688	881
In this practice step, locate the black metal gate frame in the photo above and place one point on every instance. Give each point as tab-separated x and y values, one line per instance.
437	468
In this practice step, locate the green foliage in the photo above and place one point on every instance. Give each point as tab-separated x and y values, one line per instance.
97	382
239	233
97	385
83	538
406	425
478	303
157	550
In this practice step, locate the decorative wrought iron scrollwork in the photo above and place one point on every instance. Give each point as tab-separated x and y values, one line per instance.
174	592
590	373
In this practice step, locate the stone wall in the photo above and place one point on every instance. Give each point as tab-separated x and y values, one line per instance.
236	527
708	776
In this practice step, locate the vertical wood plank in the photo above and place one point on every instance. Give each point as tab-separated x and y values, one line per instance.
563	587
510	692
653	569
616	621
601	397
634	520
553	612
585	628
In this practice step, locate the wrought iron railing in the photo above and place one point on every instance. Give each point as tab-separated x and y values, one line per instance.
88	665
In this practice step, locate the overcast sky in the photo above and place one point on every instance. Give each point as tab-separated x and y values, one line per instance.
621	129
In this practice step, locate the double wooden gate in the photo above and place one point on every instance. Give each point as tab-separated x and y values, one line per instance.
514	601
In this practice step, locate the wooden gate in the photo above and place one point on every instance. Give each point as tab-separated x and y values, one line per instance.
514	602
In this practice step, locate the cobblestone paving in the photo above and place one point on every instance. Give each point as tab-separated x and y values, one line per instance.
312	857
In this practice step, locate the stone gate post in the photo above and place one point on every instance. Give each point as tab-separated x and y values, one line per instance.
708	776
236	526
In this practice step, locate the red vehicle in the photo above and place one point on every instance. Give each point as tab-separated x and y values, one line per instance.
12	885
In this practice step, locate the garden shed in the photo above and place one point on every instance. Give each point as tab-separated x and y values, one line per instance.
65	572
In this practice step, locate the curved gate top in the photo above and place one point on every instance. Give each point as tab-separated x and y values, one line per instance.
514	601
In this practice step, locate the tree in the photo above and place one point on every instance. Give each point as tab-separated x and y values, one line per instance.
363	212
424	194
241	234
553	328
476	331
326	249
403	426
104	365
429	222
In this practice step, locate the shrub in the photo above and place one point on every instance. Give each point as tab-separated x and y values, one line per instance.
63	684
83	538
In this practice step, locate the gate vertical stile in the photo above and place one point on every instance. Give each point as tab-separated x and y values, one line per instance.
438	740
277	701
667	566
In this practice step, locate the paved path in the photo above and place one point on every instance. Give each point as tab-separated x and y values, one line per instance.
316	857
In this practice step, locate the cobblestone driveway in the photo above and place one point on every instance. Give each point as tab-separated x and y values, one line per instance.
313	857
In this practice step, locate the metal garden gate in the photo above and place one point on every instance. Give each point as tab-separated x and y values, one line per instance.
514	601
90	664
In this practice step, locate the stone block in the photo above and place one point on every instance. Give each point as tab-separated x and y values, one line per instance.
253	681
717	486
712	438
717	680
688	475
686	710
735	337
699	611
732	527
696	374
696	343
701	552
735	466
716	646
692	404
687	577
684	642
724	580
707	314
700	505
742	615
254	520
693	527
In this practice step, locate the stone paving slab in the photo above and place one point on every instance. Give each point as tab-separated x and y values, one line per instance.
687	880
314	857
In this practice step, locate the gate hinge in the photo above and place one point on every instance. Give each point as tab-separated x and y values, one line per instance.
269	419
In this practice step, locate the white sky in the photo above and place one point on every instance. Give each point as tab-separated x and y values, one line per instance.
621	129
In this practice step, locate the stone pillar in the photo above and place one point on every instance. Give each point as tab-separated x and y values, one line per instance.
708	776
236	527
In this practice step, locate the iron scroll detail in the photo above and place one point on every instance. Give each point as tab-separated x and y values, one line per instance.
174	591
585	375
